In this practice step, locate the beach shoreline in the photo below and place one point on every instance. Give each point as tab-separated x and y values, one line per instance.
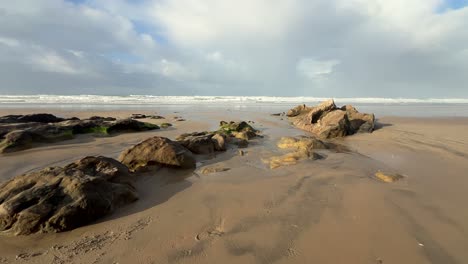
326	211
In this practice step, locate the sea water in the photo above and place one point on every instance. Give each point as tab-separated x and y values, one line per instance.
430	107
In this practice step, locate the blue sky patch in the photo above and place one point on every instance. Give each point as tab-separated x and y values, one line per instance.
452	5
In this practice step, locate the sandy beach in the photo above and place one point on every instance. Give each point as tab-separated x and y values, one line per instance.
331	210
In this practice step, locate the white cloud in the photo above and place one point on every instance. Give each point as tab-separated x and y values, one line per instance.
401	48
312	68
52	62
9	42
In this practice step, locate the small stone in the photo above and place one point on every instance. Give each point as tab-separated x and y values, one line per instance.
388	177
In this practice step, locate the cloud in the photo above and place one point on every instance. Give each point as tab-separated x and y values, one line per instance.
378	48
312	68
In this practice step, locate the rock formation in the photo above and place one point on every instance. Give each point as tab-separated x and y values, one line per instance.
20	132
57	199
328	121
157	151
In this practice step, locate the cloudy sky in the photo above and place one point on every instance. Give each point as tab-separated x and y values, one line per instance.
340	48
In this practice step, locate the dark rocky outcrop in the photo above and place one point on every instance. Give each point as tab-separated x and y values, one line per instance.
39	118
101	118
198	142
236	133
20	136
58	199
130	125
157	151
328	121
24	139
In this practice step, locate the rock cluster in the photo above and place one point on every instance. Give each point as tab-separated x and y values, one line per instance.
328	121
237	133
57	199
20	132
301	148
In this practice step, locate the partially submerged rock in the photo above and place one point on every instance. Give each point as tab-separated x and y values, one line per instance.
292	158
58	199
328	121
214	169
157	151
302	148
165	125
388	177
301	143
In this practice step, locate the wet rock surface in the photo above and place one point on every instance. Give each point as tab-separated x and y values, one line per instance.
157	151
57	199
301	148
16	134
31	118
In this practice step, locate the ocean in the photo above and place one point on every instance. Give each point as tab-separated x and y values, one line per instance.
431	107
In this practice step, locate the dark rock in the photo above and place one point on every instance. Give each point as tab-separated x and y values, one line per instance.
219	142
9	119
242	143
138	116
24	139
101	118
7	128
39	118
232	126
58	199
157	117
165	125
198	142
130	125
157	151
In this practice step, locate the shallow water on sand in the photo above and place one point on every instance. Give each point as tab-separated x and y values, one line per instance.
324	211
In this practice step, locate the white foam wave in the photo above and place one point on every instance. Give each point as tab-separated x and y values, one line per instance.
150	99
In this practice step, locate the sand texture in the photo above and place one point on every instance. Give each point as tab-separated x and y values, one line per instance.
234	208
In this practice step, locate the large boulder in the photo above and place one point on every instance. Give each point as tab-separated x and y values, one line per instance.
359	122
58	199
333	124
300	109
328	121
198	142
157	151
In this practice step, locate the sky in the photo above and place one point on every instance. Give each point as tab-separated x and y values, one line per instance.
323	48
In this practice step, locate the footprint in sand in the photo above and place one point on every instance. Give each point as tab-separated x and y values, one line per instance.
217	231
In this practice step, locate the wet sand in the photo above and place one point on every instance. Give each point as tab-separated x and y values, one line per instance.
324	211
